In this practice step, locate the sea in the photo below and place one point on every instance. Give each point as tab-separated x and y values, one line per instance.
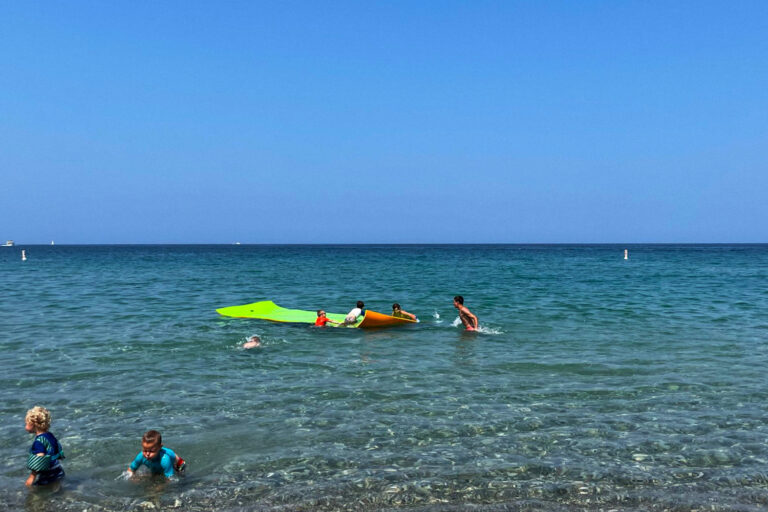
594	383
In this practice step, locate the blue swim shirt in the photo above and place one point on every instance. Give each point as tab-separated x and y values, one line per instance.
161	464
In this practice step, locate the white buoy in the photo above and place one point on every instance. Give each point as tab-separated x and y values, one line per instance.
52	242
23	255
626	254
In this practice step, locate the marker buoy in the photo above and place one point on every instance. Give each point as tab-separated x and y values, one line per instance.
23	255
626	254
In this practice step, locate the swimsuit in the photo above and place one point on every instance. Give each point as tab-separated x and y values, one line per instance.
161	464
47	468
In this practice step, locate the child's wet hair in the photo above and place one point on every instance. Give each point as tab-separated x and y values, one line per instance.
395	306
39	417
360	304
152	437
459	299
320	312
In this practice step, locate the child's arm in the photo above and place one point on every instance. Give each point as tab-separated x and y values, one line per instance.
31	478
136	464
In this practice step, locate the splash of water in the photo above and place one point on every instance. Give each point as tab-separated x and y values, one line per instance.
480	328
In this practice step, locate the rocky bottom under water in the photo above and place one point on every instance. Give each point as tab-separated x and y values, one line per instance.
241	494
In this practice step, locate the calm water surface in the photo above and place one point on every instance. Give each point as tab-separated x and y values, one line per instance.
596	383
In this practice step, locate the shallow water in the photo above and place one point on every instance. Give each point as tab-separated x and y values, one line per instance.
596	383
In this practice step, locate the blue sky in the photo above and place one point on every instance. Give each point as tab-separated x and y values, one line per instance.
379	122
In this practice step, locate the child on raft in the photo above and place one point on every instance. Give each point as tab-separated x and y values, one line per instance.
45	453
357	311
398	312
322	319
159	459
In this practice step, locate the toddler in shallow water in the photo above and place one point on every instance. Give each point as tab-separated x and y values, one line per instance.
45	454
159	459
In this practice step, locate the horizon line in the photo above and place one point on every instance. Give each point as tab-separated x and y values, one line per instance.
371	243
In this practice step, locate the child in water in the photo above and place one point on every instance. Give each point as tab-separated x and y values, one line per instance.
467	318
322	319
399	313
159	459
46	452
253	342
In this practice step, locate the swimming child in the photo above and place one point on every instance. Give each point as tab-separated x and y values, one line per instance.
356	312
46	452
253	342
399	313
322	319
159	459
467	318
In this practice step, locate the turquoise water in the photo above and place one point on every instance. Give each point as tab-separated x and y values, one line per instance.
596	383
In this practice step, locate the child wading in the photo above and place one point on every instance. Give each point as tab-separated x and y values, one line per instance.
467	318
45	454
159	459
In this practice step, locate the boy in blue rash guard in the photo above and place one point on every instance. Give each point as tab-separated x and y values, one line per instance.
159	459
45	454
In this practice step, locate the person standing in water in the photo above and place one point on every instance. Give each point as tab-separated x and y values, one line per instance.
44	460
467	318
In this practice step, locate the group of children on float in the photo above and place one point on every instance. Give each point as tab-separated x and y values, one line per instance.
467	318
46	453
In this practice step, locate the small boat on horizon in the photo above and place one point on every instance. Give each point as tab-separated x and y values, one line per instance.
8	243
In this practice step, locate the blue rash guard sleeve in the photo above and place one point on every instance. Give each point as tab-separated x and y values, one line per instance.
137	462
37	447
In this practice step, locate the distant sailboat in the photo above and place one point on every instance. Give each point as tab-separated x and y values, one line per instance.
52	242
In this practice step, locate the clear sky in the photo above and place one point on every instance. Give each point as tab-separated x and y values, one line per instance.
394	121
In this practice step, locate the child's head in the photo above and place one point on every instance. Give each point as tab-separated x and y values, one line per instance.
253	341
320	312
151	442
360	304
395	307
458	300
39	418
